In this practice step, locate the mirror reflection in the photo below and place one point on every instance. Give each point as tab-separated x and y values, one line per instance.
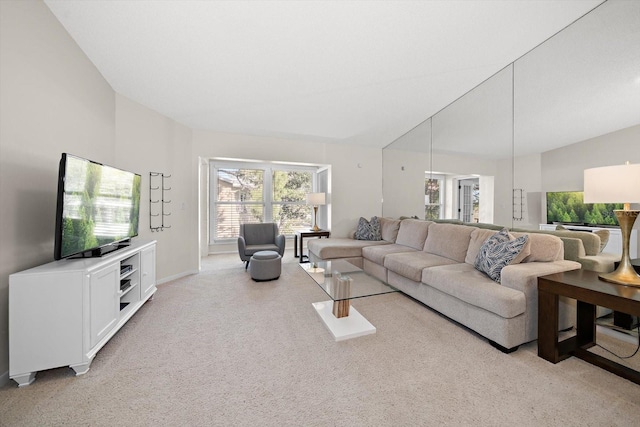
571	103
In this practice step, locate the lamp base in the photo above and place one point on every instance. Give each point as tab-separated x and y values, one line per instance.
625	274
627	278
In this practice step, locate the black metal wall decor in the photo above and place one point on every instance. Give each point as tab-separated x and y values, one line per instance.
518	204
158	202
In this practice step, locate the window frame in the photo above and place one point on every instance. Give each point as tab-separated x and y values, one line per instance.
267	201
441	203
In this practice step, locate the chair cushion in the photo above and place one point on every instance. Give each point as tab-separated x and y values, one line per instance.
265	255
258	234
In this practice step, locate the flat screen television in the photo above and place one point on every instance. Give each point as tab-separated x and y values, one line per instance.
568	207
98	208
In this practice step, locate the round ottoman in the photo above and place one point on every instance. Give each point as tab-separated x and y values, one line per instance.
265	265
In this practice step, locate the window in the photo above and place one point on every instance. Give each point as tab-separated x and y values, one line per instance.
433	196
252	193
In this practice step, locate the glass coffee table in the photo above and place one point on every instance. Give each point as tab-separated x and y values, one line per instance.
343	282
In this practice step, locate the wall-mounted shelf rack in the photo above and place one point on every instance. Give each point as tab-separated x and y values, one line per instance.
518	204
158	202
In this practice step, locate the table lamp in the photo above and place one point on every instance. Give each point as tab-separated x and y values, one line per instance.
315	199
617	184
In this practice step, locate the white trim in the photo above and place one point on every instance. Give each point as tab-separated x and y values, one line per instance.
4	379
177	276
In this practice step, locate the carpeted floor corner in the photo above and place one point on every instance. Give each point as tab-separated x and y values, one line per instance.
217	349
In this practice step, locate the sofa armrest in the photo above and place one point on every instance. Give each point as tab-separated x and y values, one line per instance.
280	243
602	263
573	248
242	247
524	277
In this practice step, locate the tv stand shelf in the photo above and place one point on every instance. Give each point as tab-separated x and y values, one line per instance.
64	312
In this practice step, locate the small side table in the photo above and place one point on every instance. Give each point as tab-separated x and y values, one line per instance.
301	234
589	291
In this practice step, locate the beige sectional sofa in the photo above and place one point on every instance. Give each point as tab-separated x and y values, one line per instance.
580	246
434	263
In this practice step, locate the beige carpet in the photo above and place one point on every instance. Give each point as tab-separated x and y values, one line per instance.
219	349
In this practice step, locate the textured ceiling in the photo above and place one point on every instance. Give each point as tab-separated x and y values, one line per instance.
359	72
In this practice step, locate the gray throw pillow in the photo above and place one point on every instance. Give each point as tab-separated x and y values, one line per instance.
368	230
497	252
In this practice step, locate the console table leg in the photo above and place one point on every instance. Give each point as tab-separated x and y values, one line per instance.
548	305
585	324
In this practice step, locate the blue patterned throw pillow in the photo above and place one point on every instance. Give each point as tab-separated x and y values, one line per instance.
368	230
497	252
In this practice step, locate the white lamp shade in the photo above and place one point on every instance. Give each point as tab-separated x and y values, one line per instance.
612	184
316	199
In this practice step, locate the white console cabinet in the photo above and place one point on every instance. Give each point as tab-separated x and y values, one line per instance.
64	312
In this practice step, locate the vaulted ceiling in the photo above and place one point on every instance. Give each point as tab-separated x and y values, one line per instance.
355	72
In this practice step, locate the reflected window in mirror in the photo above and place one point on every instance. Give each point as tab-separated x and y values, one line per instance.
434	196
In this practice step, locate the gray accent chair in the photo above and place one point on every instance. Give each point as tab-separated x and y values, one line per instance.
259	237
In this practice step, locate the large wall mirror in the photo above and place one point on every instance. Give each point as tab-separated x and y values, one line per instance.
571	103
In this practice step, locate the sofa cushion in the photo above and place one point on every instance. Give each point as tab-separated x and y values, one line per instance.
376	254
411	264
497	252
544	247
413	233
389	229
368	230
464	282
449	240
479	236
340	247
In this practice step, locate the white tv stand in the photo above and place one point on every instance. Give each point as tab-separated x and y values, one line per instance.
614	245
64	312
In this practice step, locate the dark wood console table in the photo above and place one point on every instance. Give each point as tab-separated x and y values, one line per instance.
301	234
589	291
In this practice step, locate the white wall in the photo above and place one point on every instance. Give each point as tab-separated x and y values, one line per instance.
147	141
403	182
54	100
563	168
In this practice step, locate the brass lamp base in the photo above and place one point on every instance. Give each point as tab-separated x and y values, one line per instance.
625	274
315	217
627	278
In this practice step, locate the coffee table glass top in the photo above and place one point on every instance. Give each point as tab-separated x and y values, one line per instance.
327	273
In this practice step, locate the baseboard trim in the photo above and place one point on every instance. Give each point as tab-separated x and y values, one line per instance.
177	276
4	379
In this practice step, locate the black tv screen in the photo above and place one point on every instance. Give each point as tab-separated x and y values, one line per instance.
98	207
568	207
